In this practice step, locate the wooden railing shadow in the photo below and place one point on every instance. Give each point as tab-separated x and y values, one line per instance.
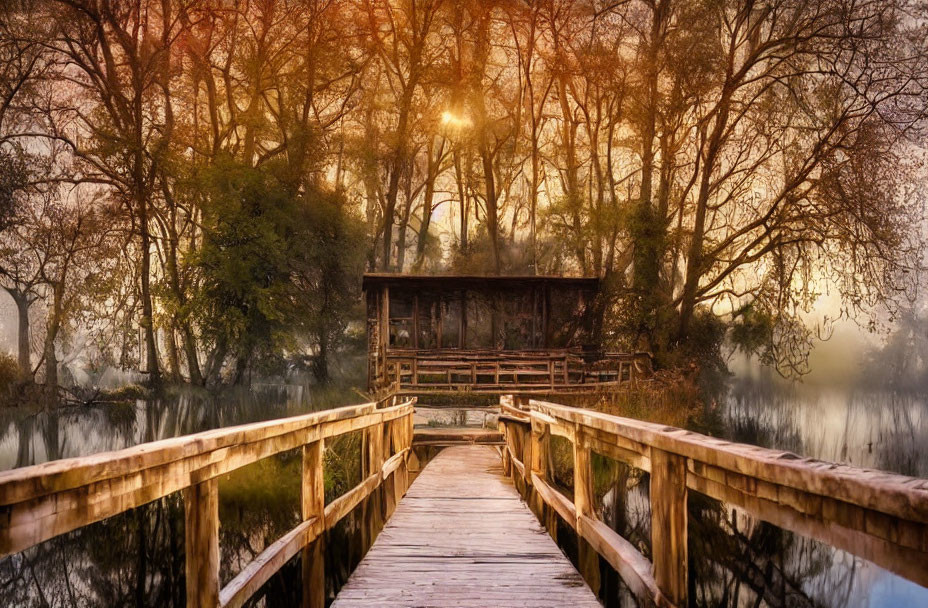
881	517
43	501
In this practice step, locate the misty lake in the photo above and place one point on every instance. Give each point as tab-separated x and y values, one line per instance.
136	558
871	429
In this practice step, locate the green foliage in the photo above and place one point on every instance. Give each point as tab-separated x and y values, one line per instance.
264	495
701	353
752	329
242	299
342	464
10	374
326	260
14	177
279	269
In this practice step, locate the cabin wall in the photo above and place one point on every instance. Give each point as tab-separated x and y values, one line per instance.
534	319
378	314
522	318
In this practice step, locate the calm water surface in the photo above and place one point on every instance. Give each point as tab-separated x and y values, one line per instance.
872	429
79	431
136	559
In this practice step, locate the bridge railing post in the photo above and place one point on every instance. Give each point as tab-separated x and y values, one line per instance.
507	460
372	462
541	441
668	524
201	537
583	504
312	501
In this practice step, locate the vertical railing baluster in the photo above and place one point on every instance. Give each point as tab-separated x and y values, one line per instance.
312	501
668	524
201	535
583	504
390	447
541	440
373	507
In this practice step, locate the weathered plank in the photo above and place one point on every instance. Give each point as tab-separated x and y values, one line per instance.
456	435
893	494
263	567
312	505
668	524
201	531
43	501
462	537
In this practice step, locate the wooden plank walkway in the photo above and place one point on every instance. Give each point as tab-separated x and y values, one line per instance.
462	537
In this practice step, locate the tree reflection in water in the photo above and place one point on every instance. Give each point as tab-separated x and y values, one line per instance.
736	560
137	558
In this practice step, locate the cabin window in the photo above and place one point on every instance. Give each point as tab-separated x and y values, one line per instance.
480	322
401	320
568	318
429	320
515	321
451	322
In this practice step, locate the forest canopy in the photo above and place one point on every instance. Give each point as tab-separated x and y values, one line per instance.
193	188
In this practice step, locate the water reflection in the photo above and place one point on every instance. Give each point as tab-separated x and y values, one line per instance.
886	430
736	560
137	558
33	438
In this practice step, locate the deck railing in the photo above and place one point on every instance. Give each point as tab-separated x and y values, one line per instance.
493	371
881	517
46	500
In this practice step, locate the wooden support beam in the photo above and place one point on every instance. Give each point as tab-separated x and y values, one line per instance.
668	524
201	534
312	501
538	465
583	504
343	505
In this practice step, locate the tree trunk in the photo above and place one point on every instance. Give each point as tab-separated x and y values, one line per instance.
646	234
321	361
51	363
462	195
396	168
403	226
183	324
173	355
431	174
694	262
23	302
190	351
151	349
492	211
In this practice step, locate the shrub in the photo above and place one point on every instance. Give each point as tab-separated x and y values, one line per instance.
10	374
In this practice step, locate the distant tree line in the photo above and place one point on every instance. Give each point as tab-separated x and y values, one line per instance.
901	361
193	188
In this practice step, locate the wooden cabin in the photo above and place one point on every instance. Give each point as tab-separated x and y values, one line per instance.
488	333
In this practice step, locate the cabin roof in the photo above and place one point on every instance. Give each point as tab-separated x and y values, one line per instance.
472	281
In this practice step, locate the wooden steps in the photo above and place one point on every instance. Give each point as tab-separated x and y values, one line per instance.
462	537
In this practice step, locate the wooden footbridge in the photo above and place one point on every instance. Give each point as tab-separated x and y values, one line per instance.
463	534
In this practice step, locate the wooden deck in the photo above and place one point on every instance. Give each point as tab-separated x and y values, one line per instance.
463	537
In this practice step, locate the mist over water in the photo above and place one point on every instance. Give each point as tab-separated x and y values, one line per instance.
870	428
27	439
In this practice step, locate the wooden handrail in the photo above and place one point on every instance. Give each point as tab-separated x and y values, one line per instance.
492	370
879	516
43	501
